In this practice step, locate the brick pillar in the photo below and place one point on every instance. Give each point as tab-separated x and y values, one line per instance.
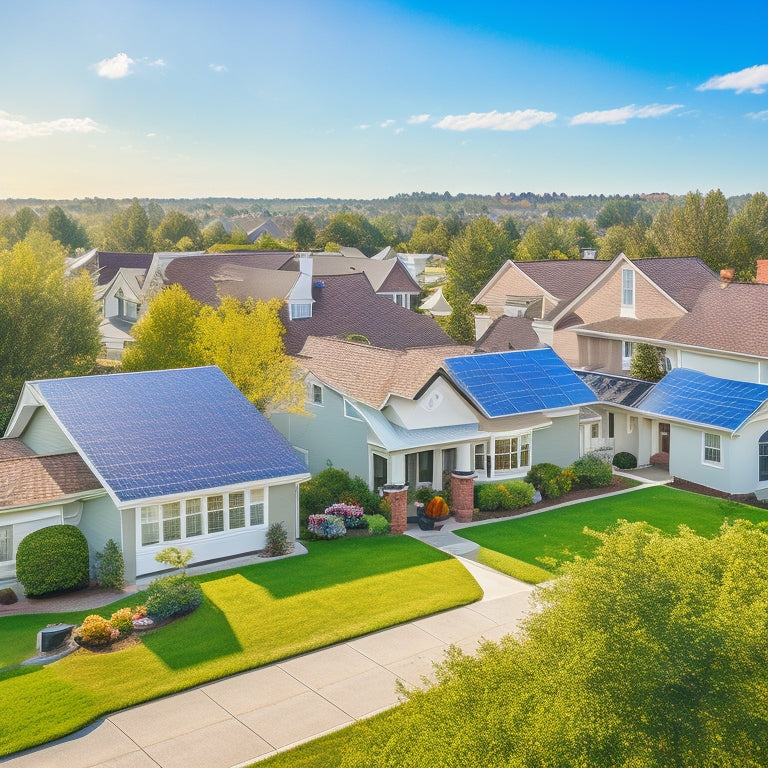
463	496
398	500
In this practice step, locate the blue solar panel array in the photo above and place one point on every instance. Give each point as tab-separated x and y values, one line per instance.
165	432
696	397
509	383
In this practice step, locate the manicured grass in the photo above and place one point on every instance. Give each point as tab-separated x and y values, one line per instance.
250	616
526	572
556	536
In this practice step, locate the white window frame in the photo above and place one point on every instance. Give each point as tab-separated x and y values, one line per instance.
6	543
299	310
524	439
627	292
315	394
479	454
626	360
716	459
350	412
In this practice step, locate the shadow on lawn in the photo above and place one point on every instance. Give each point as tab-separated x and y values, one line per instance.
202	636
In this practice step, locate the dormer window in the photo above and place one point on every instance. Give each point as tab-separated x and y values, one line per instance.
299	310
627	292
128	310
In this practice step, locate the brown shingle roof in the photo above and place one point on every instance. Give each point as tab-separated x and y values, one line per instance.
110	262
730	319
563	278
369	373
29	480
683	278
346	305
507	333
389	272
13	449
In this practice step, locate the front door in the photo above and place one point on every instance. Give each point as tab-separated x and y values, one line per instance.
663	437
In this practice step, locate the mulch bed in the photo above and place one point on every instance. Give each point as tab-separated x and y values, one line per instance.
617	484
748	498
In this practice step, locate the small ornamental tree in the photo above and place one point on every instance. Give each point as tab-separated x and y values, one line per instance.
110	566
648	363
175	557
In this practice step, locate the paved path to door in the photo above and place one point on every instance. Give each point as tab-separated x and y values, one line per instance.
243	718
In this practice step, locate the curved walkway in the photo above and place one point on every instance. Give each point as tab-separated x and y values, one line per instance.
249	716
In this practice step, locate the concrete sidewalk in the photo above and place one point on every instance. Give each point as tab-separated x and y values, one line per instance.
252	715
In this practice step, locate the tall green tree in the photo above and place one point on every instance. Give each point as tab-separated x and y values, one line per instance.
549	236
15	228
748	237
648	363
174	227
632	241
650	654
617	212
214	234
49	324
166	335
304	233
128	232
352	230
429	236
65	229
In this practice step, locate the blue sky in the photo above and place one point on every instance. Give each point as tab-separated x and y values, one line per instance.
367	99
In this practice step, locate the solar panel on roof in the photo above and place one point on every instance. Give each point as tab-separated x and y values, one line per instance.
166	432
509	383
693	396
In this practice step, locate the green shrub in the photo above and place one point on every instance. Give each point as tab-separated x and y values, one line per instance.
624	460
277	540
489	496
171	596
591	472
175	557
110	566
332	486
423	495
520	493
539	474
378	525
122	621
95	630
53	559
550	480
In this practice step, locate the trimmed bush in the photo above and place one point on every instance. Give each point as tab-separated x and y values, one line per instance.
110	566
591	472
277	540
53	559
96	630
172	596
377	525
624	460
122	621
550	480
539	474
332	486
511	494
326	526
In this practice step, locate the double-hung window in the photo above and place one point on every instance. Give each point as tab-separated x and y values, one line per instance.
628	289
194	517
511	453
712	449
150	524
237	510
257	506
6	543
215	506
171	521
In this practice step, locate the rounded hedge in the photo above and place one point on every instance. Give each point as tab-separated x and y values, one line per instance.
172	596
53	559
624	460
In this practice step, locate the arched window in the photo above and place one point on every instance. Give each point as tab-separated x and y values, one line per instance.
762	457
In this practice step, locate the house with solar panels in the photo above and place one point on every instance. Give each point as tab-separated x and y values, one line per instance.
415	416
151	460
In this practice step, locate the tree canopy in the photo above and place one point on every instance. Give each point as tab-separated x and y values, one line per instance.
129	232
650	654
48	322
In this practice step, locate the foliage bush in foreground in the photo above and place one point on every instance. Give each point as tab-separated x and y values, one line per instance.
53	559
624	460
326	526
591	472
110	566
351	515
96	630
171	596
332	486
122	621
550	480
650	654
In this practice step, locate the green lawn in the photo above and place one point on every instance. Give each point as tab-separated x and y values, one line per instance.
550	538
250	616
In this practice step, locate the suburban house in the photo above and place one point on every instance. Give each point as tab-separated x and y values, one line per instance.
153	459
413	415
711	331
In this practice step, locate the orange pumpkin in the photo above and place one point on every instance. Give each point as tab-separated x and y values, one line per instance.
437	508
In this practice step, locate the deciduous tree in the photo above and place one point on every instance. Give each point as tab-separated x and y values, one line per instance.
175	226
650	654
748	237
128	232
65	229
304	233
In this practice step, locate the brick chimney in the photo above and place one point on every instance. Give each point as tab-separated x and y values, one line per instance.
726	276
762	271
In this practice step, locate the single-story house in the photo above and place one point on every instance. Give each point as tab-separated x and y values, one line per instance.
152	459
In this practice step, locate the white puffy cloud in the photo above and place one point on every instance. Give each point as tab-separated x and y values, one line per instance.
363	127
219	67
418	119
762	115
157	63
387	123
620	115
15	128
520	120
116	67
752	79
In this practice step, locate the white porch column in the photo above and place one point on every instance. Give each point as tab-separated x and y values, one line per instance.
465	457
397	468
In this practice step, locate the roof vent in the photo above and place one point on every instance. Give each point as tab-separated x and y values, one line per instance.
319	284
